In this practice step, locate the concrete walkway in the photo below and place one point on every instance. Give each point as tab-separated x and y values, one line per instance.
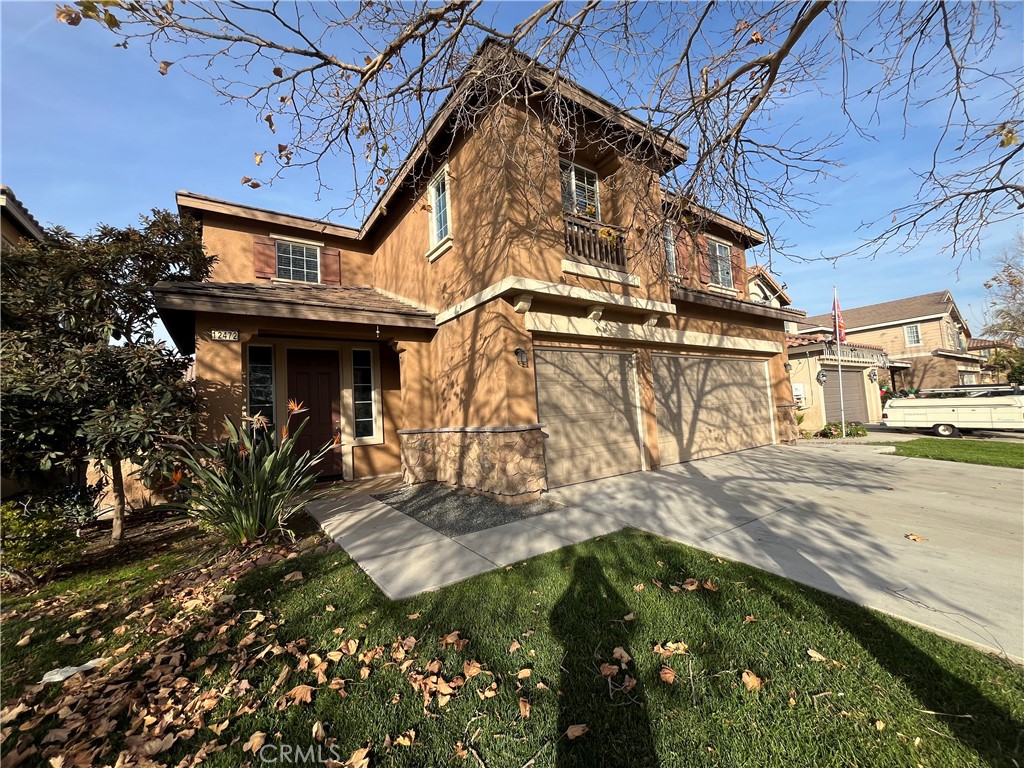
830	516
405	557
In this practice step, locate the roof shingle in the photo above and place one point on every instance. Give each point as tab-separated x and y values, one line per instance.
887	312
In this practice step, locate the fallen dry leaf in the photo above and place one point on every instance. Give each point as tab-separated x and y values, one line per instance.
628	617
255	742
575	731
879	725
751	681
638	587
359	758
608	670
407	738
914	537
293	576
710	585
815	656
667	675
524	673
690	585
524	708
516	645
471	668
620	655
749	618
413	616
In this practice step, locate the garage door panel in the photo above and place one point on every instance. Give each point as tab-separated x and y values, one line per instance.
709	406
587	403
853	398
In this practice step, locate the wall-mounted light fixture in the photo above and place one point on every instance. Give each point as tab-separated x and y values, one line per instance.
522	357
873	376
788	367
821	378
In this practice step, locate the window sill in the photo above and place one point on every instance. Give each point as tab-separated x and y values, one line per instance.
440	249
725	291
294	282
358	441
600	273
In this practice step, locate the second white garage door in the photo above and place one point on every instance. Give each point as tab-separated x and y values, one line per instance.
707	406
587	404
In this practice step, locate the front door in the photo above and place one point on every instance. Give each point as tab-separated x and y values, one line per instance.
314	381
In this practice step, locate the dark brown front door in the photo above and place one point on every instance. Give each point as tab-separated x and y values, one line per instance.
314	380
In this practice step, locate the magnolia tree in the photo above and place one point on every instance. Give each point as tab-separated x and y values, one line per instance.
81	375
744	85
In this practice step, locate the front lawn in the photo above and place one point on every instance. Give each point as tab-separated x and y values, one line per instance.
738	667
967	451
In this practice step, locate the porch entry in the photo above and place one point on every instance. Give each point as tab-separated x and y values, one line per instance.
708	405
314	379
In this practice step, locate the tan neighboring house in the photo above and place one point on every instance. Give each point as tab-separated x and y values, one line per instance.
475	335
815	372
925	337
986	348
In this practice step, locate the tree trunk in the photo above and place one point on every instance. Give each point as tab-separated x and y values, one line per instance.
117	480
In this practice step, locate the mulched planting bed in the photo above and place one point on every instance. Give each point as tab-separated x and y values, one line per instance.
456	512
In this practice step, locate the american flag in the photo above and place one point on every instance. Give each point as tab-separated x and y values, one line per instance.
838	326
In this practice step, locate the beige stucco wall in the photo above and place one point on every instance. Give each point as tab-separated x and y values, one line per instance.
805	370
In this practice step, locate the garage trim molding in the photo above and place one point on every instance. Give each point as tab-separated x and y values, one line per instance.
540	322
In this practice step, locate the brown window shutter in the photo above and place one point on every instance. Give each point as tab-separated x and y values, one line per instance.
264	256
704	261
330	266
739	270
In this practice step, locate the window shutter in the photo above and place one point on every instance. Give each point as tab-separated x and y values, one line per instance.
264	252
704	262
739	272
330	266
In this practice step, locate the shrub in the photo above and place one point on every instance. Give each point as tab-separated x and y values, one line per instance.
39	530
247	488
834	430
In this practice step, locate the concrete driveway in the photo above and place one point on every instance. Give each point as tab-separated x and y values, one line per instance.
835	517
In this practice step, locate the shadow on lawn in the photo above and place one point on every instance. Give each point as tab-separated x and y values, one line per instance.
623	737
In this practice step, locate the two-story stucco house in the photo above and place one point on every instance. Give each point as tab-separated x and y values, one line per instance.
510	317
925	337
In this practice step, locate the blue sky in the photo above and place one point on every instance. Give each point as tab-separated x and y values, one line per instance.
93	134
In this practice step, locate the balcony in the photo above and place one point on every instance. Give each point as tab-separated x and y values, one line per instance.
593	242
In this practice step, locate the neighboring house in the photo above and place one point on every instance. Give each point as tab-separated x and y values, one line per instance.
16	222
990	350
925	338
475	334
815	372
763	288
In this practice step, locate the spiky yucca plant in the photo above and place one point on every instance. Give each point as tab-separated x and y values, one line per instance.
247	489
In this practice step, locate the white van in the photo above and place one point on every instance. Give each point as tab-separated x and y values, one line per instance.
947	416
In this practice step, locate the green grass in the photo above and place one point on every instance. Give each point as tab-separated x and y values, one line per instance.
872	703
967	451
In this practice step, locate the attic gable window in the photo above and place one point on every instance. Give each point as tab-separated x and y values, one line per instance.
580	191
720	263
296	261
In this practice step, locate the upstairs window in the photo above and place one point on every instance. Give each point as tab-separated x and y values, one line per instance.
440	223
579	191
668	233
913	334
720	264
296	261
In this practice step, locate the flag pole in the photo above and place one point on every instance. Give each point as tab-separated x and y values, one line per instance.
839	357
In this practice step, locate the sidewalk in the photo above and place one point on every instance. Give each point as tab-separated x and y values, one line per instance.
405	557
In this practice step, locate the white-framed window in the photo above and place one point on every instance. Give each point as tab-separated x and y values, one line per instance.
364	406
298	261
668	234
261	387
913	334
580	193
720	263
440	219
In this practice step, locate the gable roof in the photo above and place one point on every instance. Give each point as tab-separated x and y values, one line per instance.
491	55
891	312
759	272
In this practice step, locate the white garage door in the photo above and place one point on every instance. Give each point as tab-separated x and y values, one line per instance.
707	406
587	404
